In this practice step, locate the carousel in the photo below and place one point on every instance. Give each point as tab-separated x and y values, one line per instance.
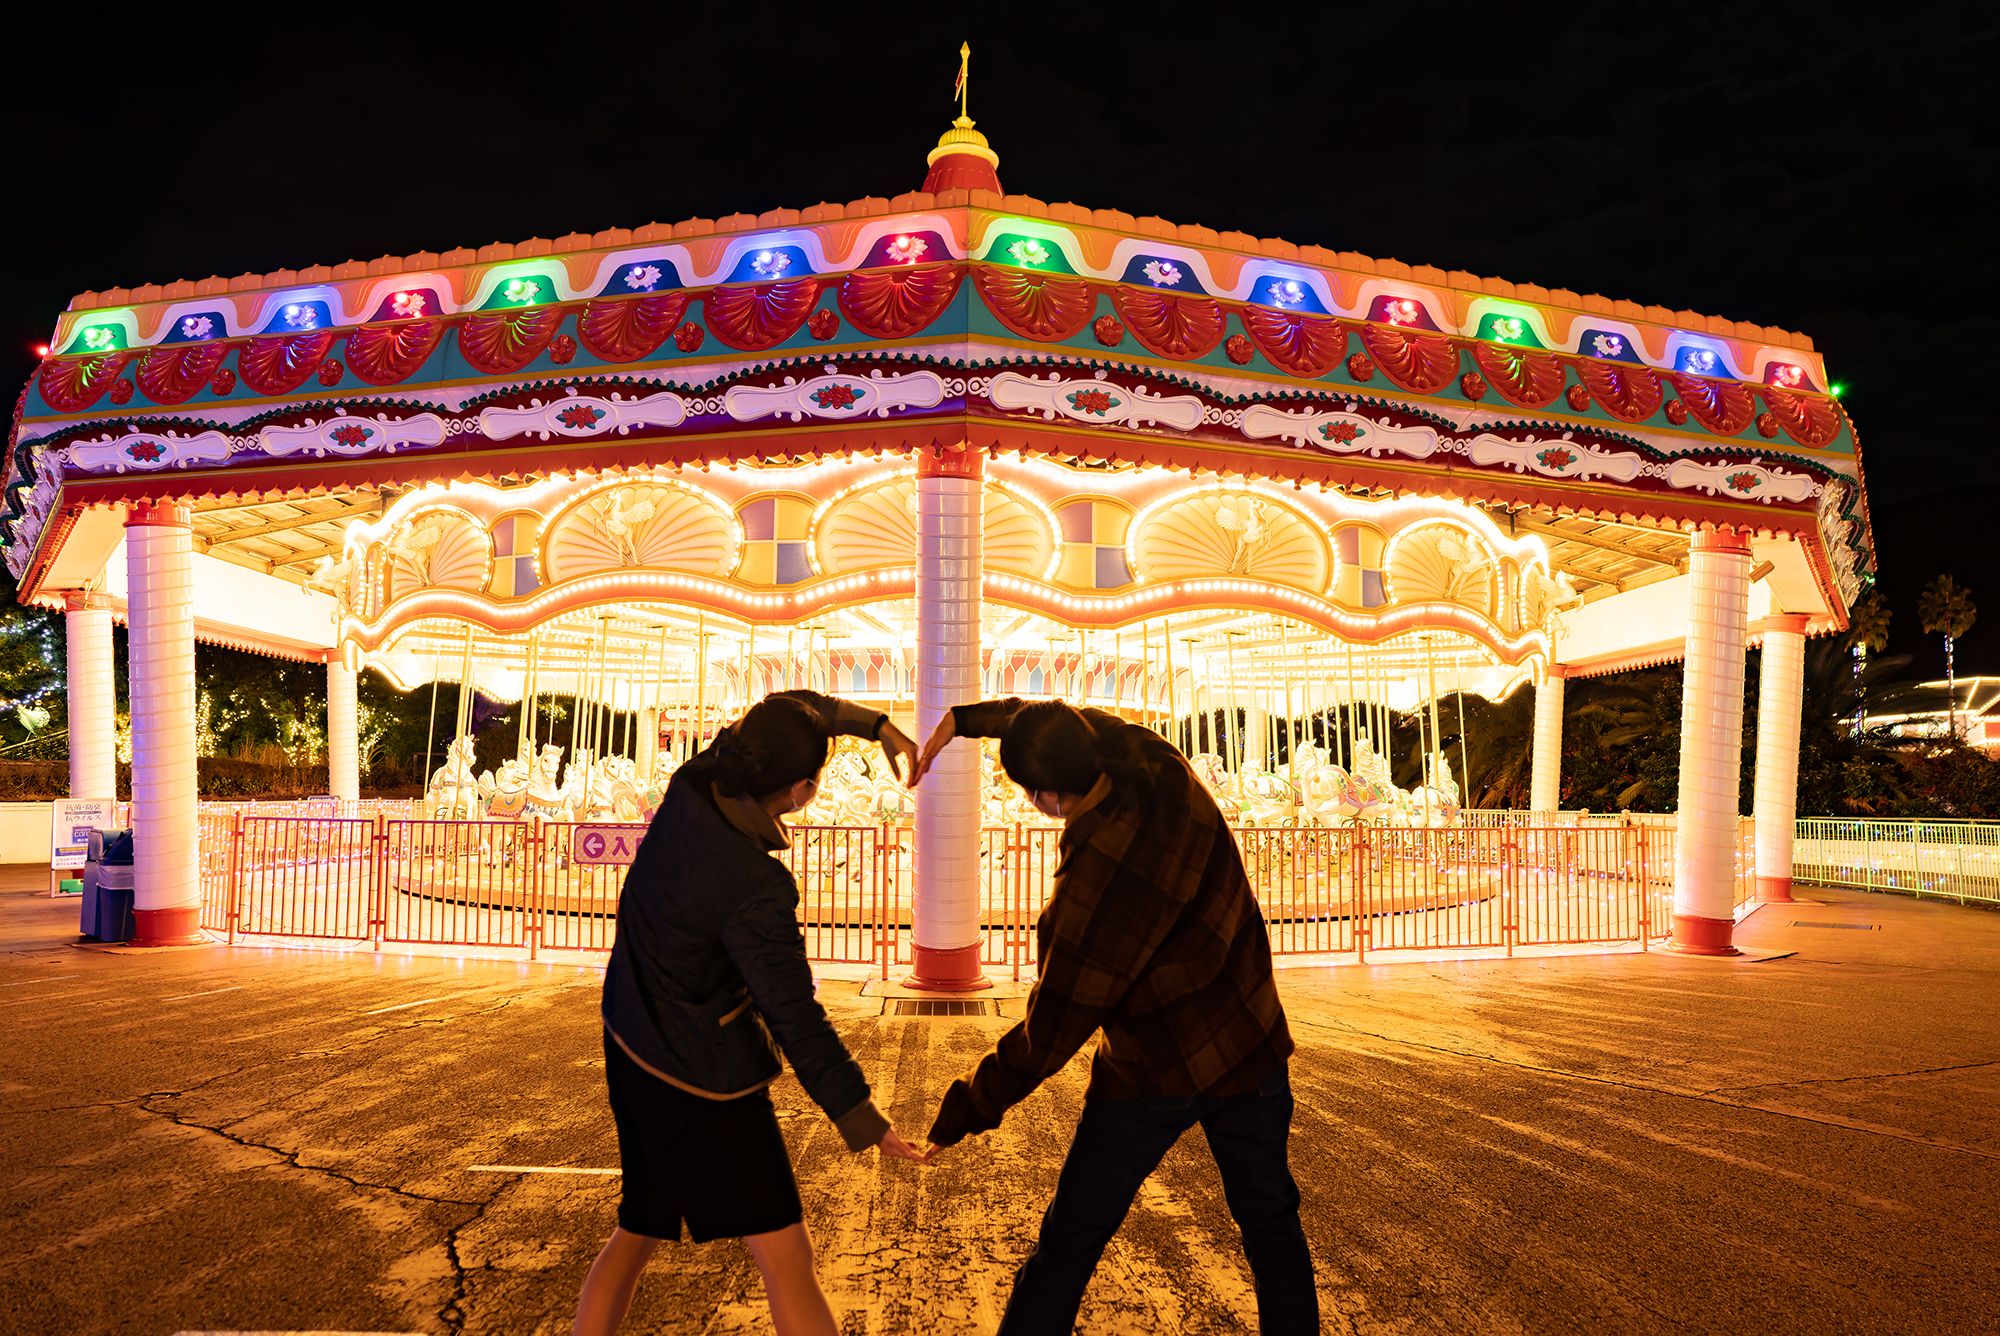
1266	498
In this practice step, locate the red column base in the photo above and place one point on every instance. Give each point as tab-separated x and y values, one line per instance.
179	926
1778	889
954	971
1695	936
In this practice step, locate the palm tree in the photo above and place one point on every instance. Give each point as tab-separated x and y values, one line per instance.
1946	610
1867	632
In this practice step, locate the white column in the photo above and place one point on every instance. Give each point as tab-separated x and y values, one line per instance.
945	914
1545	770
93	709
160	660
1711	745
1780	694
343	735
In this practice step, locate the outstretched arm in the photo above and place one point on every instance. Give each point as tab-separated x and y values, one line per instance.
979	719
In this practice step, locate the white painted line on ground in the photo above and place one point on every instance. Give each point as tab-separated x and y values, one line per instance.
533	1169
210	993
424	1002
51	979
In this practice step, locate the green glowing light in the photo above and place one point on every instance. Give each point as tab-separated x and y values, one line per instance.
1836	390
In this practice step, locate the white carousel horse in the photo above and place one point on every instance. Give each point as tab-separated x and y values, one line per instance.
453	791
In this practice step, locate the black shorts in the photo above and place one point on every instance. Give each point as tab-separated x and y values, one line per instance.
718	1164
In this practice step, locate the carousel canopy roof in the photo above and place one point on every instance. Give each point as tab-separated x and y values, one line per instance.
285	406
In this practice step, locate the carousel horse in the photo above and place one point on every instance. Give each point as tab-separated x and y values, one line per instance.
453	793
1436	802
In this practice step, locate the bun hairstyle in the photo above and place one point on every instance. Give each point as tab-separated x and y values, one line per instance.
1050	746
777	743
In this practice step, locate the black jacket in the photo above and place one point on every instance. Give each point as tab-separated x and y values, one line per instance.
708	976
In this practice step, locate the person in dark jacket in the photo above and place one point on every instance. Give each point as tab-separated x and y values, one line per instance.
707	982
1151	936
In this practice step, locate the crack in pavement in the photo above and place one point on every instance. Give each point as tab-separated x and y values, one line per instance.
452	1312
1872	1076
1678	1092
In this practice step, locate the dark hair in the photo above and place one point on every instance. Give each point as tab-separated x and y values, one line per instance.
777	743
1052	747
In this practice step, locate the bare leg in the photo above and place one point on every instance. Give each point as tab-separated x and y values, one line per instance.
607	1290
798	1305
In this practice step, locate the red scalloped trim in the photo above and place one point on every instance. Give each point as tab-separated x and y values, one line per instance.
1303	345
1045	307
762	315
1413	359
283	362
390	354
1719	406
171	375
1628	393
625	329
892	303
1524	377
1171	325
499	342
71	384
1807	418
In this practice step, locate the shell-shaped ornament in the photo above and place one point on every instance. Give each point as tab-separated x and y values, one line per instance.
630	525
1232	533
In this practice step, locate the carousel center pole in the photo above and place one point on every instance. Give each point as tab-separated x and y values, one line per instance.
159	561
945	929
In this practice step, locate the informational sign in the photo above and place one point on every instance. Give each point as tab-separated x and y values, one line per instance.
70	824
321	804
606	846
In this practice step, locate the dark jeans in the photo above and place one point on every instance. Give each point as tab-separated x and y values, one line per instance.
1118	1143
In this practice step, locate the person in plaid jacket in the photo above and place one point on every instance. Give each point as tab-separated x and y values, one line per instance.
1153	940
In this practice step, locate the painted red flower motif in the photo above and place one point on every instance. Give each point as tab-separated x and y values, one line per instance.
1767	425
1239	349
1743	482
1677	412
145	451
1472	385
1579	398
121	390
350	434
562	350
1109	332
1360	367
224	382
822	324
580	417
1346	433
689	336
836	396
1557	458
330	371
1092	401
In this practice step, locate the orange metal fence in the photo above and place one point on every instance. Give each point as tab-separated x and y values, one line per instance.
1323	891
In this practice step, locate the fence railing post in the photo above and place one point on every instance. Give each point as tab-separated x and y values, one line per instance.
378	881
1362	927
235	871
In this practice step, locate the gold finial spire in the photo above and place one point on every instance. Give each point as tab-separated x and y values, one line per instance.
962	138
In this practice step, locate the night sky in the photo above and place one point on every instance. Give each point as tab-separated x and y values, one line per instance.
1803	167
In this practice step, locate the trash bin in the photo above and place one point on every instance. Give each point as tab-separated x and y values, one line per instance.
93	857
111	858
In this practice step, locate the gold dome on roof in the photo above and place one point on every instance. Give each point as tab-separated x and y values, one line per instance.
962	138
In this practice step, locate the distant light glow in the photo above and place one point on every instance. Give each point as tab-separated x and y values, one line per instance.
1836	390
41	350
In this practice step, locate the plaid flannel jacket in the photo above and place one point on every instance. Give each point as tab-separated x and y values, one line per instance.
1151	936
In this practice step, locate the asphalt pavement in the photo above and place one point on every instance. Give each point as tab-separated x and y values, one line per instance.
250	1139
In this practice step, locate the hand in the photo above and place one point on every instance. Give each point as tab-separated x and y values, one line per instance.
900	752
946	730
892	1144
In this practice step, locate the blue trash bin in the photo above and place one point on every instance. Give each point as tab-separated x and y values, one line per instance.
113	919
